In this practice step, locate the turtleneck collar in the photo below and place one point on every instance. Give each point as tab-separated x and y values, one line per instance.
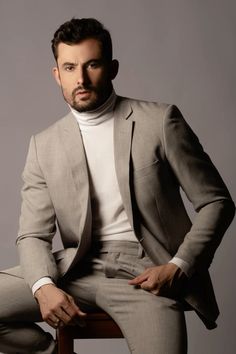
97	116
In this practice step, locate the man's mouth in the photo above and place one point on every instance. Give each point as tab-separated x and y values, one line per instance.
83	93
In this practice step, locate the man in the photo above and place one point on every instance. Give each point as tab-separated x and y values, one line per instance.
108	174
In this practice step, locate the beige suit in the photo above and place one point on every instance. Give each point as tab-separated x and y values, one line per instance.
155	153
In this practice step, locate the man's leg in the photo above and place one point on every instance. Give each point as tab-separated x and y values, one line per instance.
18	312
151	324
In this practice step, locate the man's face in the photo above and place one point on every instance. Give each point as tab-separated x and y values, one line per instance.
84	75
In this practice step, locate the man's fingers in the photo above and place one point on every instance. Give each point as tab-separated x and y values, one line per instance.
148	285
75	308
77	315
57	307
137	281
64	316
165	280
152	287
140	278
54	321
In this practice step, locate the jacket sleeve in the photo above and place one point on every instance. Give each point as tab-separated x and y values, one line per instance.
204	188
37	223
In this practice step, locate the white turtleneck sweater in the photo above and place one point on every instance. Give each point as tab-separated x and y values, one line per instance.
109	218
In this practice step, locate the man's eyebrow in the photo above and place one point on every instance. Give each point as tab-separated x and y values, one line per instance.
94	60
67	63
98	60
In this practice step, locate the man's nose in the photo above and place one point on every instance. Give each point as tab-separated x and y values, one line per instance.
82	76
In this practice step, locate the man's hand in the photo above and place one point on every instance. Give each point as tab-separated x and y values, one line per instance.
165	280
57	307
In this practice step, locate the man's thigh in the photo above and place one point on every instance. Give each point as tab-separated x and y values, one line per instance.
150	324
16	300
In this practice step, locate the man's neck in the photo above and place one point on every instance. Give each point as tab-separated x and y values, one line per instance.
98	115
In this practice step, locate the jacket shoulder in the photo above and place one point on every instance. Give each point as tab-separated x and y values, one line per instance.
145	106
50	131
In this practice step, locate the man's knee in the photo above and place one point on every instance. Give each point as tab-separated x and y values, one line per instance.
16	299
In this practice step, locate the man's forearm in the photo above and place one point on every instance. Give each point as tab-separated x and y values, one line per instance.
37	224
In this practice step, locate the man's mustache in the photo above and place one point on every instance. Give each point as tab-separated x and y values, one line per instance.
82	88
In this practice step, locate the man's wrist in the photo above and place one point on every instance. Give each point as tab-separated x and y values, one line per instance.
42	291
183	265
41	282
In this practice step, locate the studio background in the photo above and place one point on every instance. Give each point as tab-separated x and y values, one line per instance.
175	51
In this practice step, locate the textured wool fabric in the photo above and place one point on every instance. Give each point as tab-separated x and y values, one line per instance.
100	281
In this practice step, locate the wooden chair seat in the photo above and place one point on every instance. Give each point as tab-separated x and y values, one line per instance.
98	325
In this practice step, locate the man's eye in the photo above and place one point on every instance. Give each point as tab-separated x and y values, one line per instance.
69	68
93	65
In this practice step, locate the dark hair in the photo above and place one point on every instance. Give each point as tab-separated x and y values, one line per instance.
76	30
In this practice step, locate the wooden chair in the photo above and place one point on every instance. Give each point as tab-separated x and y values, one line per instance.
98	325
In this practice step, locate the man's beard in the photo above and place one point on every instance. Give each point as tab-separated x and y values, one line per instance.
92	103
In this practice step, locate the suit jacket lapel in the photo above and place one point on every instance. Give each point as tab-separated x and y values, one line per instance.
72	139
123	129
73	145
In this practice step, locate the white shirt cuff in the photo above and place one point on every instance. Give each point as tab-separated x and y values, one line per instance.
41	282
183	265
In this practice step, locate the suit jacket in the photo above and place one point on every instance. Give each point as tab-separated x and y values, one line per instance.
156	153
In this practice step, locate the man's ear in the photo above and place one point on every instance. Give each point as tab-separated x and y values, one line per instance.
114	68
56	75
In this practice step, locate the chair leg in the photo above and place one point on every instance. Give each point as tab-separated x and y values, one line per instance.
65	342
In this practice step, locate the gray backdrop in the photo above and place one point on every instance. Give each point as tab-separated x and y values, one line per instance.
179	51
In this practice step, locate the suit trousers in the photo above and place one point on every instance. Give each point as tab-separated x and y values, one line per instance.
150	324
